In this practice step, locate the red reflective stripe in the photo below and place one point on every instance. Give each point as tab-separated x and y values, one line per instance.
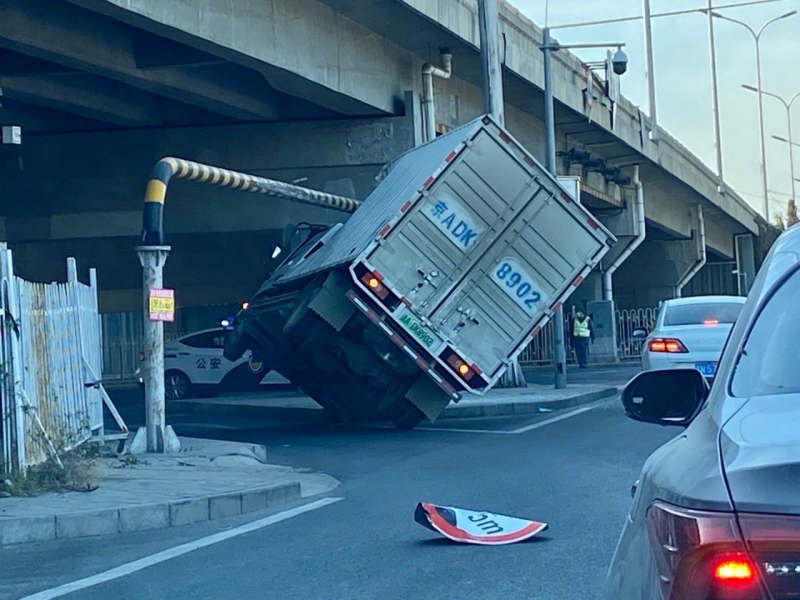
528	160
429	182
567	198
578	281
592	223
422	364
556	306
450	156
406	206
536	330
386	229
406	301
505	137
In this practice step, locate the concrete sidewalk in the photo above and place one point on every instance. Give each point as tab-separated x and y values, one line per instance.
500	402
206	480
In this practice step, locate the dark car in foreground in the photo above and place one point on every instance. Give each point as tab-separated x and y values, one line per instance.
716	511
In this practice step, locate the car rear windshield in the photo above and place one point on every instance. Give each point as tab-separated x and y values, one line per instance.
701	314
770	361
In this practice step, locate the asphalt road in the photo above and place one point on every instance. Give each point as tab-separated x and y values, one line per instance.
574	473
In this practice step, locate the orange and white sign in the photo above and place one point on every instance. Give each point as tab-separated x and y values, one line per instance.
476	526
161	305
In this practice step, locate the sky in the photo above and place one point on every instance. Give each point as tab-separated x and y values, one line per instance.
683	79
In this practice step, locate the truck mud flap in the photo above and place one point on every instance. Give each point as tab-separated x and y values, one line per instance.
331	302
428	397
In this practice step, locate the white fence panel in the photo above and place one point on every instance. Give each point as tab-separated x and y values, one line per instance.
52	360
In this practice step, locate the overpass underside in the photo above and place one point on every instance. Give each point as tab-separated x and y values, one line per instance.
323	93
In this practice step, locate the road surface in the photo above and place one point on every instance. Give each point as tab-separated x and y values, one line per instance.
571	469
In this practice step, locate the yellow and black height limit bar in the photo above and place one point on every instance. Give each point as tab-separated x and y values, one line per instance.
167	168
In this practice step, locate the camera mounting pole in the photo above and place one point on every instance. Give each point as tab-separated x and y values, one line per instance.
620	62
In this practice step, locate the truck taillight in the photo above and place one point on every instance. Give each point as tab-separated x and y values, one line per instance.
669	345
375	285
700	555
464	370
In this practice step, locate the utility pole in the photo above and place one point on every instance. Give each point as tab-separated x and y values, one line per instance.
490	60
152	259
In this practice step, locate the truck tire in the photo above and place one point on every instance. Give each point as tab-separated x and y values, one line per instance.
409	418
237	343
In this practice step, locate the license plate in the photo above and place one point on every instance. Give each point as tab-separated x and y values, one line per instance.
709	369
417	330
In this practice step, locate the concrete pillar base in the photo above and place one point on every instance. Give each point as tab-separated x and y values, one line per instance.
137	442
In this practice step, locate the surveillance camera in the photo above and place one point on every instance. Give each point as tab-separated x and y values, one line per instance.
620	62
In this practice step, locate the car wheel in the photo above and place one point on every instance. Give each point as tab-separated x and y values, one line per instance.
176	385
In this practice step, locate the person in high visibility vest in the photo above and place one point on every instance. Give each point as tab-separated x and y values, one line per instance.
582	335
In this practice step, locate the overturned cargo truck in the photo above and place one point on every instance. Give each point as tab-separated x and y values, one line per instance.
431	288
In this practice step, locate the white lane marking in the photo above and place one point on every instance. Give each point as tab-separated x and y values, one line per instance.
568	415
526	429
169	554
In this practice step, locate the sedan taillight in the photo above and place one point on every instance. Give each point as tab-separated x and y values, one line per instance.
669	345
700	555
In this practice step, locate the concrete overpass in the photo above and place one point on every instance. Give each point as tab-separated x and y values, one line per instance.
323	91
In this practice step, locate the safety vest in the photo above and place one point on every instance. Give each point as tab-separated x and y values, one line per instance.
581	328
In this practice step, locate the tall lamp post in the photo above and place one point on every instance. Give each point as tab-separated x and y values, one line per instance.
757	39
646	17
789	141
620	63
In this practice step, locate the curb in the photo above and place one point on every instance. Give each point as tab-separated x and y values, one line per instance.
145	517
315	415
522	407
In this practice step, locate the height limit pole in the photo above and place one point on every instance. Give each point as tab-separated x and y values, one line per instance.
152	259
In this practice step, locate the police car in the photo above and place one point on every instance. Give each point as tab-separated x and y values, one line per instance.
194	365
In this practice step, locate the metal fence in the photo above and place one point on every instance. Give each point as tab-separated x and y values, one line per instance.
51	356
540	351
628	347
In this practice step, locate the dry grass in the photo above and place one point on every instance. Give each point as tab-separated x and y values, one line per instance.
79	474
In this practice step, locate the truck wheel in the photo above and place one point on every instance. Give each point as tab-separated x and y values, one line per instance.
236	344
409	418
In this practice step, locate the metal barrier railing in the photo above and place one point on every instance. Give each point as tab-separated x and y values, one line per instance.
540	351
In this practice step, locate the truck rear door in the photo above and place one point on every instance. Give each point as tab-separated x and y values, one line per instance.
513	286
457	221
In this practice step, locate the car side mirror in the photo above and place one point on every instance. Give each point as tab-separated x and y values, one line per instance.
665	397
639	333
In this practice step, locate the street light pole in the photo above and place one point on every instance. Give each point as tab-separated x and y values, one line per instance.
757	39
650	75
715	98
790	142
